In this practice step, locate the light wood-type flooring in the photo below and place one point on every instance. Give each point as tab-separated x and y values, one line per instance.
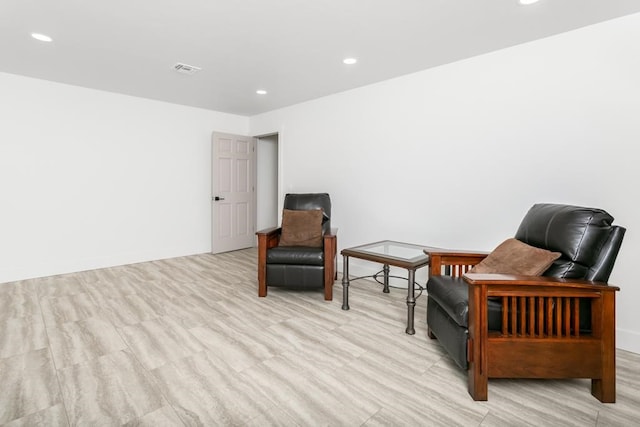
187	341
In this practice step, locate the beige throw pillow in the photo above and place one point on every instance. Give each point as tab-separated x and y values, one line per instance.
301	228
514	257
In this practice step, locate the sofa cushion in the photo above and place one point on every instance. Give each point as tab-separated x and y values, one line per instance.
311	201
515	257
301	255
451	294
301	228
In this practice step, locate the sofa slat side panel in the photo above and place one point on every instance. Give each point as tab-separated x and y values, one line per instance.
549	358
540	317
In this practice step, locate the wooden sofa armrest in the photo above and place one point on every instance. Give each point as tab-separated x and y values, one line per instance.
267	238
270	237
504	281
457	262
330	242
269	231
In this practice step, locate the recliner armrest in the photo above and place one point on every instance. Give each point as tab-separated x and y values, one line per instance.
454	253
270	230
461	260
268	238
495	280
330	242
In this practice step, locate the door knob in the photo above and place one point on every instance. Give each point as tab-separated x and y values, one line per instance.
218	198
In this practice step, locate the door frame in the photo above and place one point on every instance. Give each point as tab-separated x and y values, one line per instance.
275	166
279	172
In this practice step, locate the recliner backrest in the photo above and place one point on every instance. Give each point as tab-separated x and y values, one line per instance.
588	241
311	201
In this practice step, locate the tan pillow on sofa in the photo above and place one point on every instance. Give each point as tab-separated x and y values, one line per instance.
514	257
301	228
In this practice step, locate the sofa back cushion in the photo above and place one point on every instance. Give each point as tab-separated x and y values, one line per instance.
578	233
311	201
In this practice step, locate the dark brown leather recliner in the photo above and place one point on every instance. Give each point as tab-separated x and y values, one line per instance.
296	266
558	325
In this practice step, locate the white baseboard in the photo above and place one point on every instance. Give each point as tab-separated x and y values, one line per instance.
628	340
53	267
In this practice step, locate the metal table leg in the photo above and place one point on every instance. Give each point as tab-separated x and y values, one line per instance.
411	302
345	282
385	281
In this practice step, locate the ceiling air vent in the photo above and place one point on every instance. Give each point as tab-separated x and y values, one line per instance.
186	69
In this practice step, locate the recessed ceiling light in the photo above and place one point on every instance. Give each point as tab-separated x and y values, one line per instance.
350	61
528	1
261	92
41	37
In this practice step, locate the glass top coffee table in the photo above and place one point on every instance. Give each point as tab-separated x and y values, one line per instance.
388	253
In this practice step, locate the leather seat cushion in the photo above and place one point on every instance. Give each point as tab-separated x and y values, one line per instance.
298	255
295	276
452	295
450	335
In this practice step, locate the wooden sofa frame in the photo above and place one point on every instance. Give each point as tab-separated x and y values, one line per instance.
540	336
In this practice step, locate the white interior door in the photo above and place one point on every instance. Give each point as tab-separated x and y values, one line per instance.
233	195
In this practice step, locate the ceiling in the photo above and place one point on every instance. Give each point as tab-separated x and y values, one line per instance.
291	48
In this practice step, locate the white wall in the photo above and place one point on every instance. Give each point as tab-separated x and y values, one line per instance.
92	179
455	156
